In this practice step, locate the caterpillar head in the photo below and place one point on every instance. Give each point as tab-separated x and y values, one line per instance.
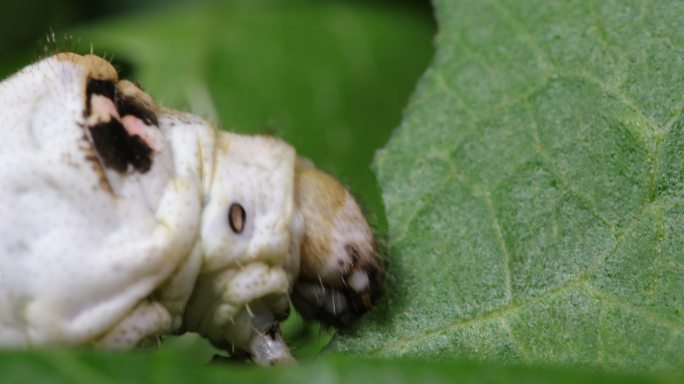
339	276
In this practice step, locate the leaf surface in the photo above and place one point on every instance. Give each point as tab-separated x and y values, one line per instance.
534	190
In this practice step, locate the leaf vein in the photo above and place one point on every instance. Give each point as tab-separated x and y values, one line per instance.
579	282
621	304
514	339
420	207
406	341
619	96
588	200
504	248
527	36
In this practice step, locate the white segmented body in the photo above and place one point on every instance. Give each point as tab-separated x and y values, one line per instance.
114	222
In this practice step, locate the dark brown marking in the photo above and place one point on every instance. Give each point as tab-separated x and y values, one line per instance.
313	306
128	106
118	149
124	105
90	155
104	88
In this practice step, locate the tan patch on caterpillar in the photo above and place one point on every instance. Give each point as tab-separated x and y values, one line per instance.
96	67
319	197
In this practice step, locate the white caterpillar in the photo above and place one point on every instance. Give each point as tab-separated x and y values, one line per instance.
121	221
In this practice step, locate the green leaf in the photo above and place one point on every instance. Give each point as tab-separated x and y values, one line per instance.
534	191
170	368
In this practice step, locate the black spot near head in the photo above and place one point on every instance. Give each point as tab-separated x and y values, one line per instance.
118	149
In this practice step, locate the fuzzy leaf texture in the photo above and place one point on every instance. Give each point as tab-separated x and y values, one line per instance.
534	191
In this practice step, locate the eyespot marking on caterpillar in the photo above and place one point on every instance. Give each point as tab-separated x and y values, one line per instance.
236	218
118	149
118	117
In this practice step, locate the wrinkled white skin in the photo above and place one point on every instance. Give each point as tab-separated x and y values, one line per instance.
155	254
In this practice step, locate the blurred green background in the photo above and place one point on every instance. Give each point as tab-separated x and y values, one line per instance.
329	77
